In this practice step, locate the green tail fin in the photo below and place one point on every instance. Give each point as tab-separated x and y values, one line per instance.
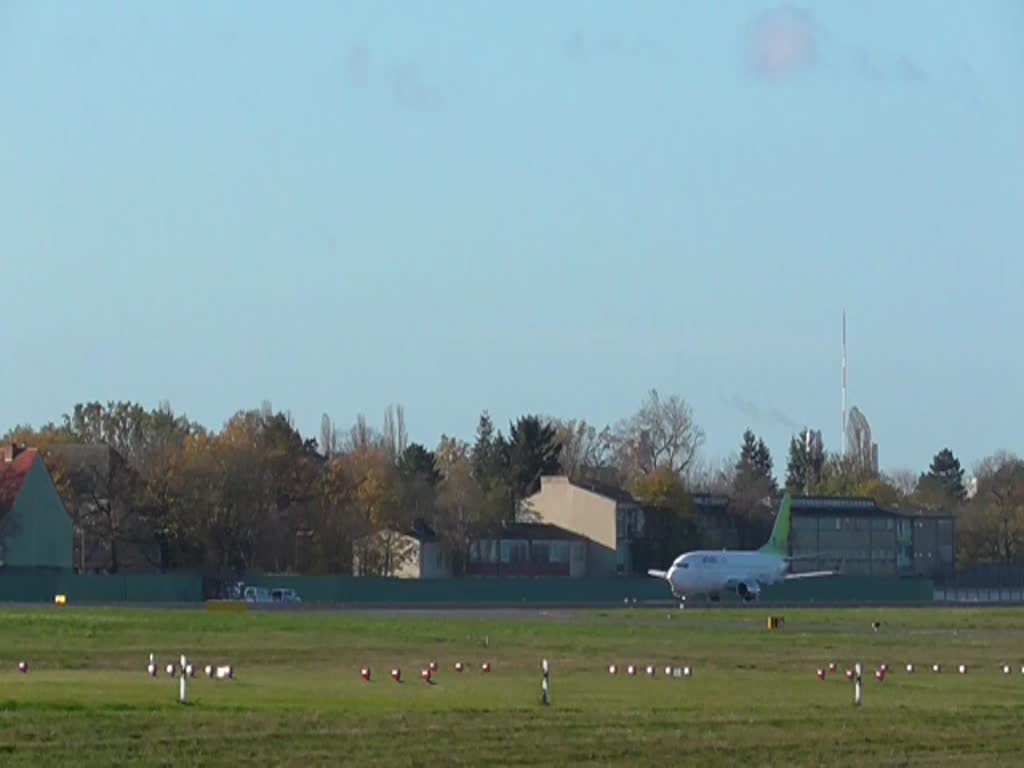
778	542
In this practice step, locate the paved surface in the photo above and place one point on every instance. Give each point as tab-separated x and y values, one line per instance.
497	610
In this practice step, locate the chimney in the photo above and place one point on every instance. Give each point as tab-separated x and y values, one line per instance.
10	451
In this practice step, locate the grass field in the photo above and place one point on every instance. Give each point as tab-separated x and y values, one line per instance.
298	700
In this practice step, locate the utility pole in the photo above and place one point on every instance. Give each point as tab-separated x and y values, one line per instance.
842	436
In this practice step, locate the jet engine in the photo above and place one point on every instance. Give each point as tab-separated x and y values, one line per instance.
748	591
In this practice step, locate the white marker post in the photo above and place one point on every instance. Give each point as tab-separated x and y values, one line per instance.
545	683
183	681
856	684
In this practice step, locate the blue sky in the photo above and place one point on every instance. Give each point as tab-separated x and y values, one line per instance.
524	207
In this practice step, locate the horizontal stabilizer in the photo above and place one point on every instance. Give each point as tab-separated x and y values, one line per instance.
810	575
658	574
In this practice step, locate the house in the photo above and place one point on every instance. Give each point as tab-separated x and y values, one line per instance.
529	550
35	529
624	536
411	554
608	519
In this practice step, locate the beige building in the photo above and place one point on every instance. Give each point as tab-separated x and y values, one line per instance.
415	554
529	550
609	519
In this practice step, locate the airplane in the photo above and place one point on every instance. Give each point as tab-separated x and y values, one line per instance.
710	572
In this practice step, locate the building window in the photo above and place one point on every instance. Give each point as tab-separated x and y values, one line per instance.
513	551
482	551
559	552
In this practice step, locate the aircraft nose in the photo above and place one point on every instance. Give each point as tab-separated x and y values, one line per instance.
671	574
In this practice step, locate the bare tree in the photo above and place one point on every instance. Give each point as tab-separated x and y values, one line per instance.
328	437
362	436
904	480
663	433
450	453
585	451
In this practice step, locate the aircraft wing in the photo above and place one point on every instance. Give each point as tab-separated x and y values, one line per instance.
810	575
658	574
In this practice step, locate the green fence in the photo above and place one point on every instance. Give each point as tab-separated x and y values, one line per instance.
365	590
341	589
852	589
35	586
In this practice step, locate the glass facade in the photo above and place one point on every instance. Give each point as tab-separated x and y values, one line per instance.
878	544
526	557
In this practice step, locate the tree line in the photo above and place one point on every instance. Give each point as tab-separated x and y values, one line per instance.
258	495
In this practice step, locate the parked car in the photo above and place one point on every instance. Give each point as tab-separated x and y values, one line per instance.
253	594
284	595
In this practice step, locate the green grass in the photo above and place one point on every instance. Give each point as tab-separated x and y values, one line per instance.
297	699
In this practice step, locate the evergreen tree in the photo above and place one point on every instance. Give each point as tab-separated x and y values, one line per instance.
533	450
418	479
946	474
806	462
796	467
753	486
489	458
763	463
418	462
754	466
745	465
489	454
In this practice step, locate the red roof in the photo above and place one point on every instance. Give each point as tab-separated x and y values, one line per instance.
13	474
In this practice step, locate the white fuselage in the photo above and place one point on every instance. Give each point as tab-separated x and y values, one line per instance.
713	572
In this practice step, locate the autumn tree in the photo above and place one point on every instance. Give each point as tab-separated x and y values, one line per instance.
331	521
460	503
661	434
991	525
449	452
849	476
376	504
670	524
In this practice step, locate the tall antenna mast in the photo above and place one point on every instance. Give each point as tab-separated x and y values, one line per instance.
843	436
